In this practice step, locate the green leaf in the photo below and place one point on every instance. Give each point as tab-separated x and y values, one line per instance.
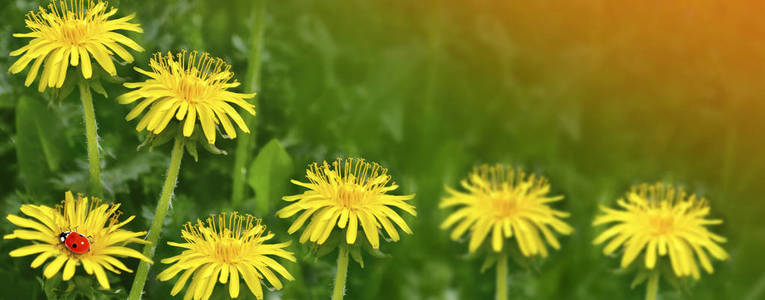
191	149
639	279
165	136
51	286
69	84
371	251
489	262
39	143
356	255
330	245
211	148
96	86
269	174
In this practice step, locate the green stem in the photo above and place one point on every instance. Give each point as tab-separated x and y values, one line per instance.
342	272
246	143
502	277
653	286
159	218
91	134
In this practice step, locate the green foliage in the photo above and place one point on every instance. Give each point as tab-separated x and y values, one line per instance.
269	176
79	287
39	144
592	96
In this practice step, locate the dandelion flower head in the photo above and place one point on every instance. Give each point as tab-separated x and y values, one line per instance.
187	86
660	220
71	32
504	202
98	221
224	249
348	194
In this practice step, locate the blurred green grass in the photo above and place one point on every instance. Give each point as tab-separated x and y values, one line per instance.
596	96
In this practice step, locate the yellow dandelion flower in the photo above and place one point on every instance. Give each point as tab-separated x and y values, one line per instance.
507	203
224	249
190	87
662	219
70	32
347	194
96	221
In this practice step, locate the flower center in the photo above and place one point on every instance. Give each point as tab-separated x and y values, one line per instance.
349	195
503	206
227	249
190	88
662	225
74	32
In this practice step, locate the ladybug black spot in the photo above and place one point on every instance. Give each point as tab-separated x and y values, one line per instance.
74	245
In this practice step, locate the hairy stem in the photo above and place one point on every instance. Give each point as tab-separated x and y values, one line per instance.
91	135
159	217
342	272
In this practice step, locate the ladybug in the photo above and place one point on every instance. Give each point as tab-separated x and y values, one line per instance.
75	242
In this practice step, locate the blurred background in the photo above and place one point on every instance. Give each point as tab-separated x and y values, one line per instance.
595	95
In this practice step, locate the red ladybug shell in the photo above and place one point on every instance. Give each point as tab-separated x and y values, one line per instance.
75	242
